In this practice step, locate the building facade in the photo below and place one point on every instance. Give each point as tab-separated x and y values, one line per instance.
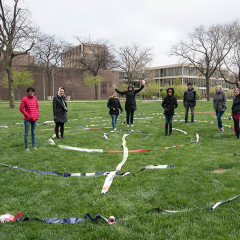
187	73
88	52
25	59
165	76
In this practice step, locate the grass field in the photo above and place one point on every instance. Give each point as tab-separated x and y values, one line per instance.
190	186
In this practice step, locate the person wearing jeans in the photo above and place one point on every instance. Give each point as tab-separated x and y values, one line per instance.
30	109
114	106
169	104
219	104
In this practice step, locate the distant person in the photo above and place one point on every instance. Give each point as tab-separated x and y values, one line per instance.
219	104
60	112
189	100
236	111
169	104
30	109
114	106
130	104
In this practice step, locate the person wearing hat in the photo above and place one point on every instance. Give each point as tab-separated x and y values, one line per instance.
189	100
130	104
169	104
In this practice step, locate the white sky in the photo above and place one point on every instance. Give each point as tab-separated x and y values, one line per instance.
153	23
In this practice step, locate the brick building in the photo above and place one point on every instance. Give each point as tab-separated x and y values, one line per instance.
69	78
89	52
25	59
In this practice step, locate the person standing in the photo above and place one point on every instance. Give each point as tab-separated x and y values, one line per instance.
60	112
236	111
130	104
189	100
114	106
219	104
169	104
30	109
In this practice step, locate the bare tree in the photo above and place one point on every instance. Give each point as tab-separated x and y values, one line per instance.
206	48
133	60
17	32
47	52
232	63
92	56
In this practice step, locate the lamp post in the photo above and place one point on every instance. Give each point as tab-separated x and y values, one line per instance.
113	77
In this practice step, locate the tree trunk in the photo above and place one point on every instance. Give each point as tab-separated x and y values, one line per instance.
49	75
207	88
96	91
10	87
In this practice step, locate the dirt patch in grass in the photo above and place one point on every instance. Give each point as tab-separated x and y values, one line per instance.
221	170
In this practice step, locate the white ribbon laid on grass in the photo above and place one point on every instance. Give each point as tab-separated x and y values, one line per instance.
219	203
73	148
111	175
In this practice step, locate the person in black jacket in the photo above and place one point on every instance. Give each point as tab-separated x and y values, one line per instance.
236	111
189	100
60	111
114	106
130	104
169	104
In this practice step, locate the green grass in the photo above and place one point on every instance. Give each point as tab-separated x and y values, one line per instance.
190	185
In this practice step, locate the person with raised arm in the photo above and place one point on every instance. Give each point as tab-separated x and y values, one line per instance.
130	104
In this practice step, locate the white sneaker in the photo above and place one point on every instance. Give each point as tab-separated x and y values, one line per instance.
222	129
114	129
127	125
131	125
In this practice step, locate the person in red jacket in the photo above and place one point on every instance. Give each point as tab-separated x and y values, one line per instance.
30	109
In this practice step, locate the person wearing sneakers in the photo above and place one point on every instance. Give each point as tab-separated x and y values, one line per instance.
169	104
130	104
30	109
236	111
114	106
219	104
60	111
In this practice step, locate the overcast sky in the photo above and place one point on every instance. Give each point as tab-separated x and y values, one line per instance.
153	23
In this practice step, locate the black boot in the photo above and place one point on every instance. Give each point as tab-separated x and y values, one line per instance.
166	134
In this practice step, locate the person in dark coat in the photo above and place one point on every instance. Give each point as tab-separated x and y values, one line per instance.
236	111
114	106
219	104
130	104
60	111
189	100
169	104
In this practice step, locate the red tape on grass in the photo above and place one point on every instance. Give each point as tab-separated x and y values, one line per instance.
144	150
